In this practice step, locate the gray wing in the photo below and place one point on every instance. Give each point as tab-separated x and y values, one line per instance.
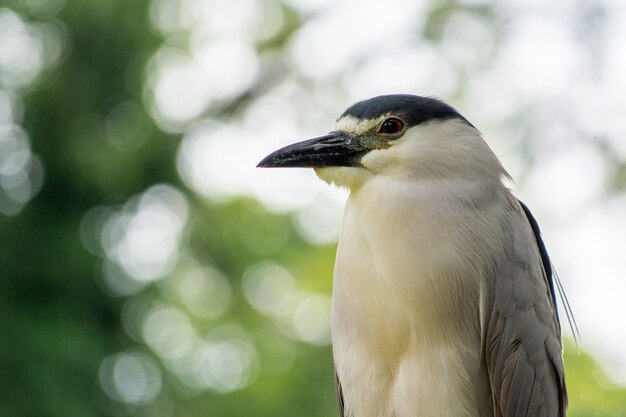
339	395
522	337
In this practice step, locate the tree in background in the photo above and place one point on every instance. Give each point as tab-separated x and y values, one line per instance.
134	278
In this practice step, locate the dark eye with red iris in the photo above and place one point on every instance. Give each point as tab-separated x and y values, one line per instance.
391	126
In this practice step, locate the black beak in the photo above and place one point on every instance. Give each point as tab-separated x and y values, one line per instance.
336	149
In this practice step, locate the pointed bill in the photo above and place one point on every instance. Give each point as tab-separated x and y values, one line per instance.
334	149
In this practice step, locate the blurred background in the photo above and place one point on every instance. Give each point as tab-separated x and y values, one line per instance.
147	268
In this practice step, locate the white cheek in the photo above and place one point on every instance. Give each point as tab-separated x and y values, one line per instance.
345	177
376	161
380	160
403	154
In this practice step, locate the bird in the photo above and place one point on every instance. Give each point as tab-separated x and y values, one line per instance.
443	301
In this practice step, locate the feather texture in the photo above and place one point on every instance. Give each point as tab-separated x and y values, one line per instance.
523	339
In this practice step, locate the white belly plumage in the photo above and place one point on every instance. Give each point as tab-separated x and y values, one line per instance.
406	332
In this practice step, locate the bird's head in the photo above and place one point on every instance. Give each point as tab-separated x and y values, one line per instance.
401	135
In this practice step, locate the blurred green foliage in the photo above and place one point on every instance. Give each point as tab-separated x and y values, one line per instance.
59	319
591	392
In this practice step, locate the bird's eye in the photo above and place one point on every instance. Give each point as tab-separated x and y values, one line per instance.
391	126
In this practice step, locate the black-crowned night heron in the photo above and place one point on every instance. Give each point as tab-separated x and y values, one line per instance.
443	295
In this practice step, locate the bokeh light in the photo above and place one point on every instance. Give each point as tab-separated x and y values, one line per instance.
311	318
301	315
21	172
130	377
226	361
26	51
204	291
169	332
270	288
142	240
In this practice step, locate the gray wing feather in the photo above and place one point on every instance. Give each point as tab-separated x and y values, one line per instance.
522	340
339	395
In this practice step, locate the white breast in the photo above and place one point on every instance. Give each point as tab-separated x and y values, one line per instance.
405	325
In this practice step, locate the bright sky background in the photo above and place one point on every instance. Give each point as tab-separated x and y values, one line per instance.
544	81
545	85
